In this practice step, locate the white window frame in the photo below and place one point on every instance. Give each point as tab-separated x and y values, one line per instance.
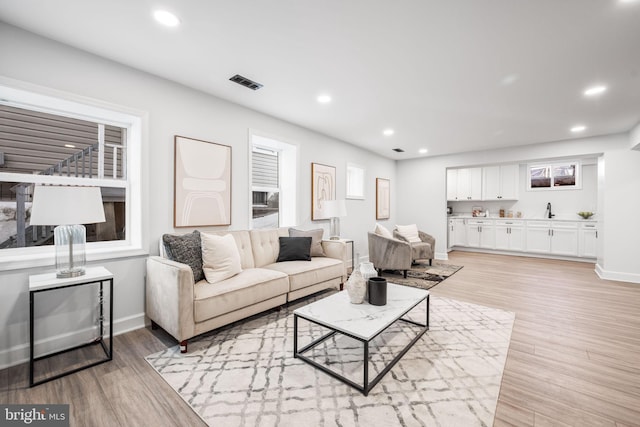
355	181
287	179
551	165
36	98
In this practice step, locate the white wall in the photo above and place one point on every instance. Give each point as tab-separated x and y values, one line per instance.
173	110
532	204
422	198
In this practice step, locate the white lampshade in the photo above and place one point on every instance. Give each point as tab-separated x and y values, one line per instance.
334	208
64	205
67	207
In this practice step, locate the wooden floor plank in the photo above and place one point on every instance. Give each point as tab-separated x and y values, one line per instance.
574	357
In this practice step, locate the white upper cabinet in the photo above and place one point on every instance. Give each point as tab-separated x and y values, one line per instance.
452	184
500	182
464	184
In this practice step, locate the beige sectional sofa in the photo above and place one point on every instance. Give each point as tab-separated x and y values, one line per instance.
184	308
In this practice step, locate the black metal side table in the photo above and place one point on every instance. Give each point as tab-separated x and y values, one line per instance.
49	282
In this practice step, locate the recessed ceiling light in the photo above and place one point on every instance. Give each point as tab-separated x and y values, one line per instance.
628	1
69	145
578	128
423	151
166	18
388	132
324	99
509	80
595	90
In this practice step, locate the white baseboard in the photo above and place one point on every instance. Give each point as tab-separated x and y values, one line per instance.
616	275
441	256
20	353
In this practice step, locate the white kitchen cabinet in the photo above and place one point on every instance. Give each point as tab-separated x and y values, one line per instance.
464	184
457	234
500	182
588	240
509	235
557	238
481	233
564	238
452	184
538	237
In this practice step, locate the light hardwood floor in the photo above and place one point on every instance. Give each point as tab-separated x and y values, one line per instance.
574	357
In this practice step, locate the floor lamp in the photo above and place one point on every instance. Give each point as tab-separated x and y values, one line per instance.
67	207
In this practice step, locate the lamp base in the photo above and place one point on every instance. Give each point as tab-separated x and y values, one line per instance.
69	241
334	225
70	273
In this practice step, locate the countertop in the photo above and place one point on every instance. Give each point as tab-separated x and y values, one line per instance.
561	218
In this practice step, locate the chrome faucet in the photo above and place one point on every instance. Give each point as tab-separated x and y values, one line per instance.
548	213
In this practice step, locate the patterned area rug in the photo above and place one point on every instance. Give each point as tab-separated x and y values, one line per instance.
422	275
245	374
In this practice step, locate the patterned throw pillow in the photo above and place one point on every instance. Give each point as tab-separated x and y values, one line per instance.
316	239
185	249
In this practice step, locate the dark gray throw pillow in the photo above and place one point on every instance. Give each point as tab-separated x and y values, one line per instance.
185	249
316	239
295	249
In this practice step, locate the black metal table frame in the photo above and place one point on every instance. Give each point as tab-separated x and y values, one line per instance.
108	351
367	386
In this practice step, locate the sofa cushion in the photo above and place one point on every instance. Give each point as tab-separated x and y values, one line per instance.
266	245
294	249
306	273
251	286
316	239
185	249
383	231
243	242
409	232
220	257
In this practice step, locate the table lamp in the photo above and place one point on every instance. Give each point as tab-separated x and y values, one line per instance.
67	207
334	209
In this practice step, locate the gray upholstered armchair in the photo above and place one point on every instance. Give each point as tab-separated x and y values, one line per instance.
398	253
420	250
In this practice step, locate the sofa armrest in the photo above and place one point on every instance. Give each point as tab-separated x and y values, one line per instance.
389	254
169	296
336	249
428	238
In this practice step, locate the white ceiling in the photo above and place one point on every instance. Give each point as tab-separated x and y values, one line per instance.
447	75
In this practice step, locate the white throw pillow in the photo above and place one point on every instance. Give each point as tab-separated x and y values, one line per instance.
409	232
381	230
220	257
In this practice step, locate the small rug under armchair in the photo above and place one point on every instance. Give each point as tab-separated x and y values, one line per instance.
422	275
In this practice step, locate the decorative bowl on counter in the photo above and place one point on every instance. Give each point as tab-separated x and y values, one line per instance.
585	215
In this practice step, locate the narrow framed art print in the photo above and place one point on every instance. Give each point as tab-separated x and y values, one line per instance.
202	183
323	187
383	198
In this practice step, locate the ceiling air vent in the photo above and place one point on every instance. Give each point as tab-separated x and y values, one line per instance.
245	82
398	150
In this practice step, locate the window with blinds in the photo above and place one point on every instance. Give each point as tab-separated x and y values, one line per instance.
265	188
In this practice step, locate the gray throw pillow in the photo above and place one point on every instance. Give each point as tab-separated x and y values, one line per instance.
294	249
316	239
185	249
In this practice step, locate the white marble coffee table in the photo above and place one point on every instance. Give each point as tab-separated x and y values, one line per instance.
362	322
